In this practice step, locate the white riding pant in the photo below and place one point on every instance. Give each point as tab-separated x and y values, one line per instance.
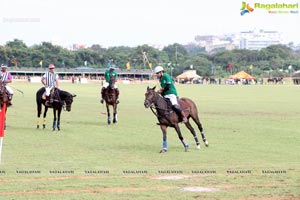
10	91
48	90
106	84
173	98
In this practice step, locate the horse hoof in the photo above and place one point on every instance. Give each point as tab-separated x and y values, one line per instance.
163	151
37	126
198	147
206	143
186	148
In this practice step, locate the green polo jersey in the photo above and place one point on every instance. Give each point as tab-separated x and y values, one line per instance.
109	74
166	79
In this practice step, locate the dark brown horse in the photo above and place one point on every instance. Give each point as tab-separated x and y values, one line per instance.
167	117
60	99
110	97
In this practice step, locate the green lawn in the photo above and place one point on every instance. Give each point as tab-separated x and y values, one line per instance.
251	130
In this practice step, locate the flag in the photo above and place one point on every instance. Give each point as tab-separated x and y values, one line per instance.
2	120
15	62
150	65
41	63
251	67
128	65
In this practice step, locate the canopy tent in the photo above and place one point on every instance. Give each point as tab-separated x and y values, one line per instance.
242	75
188	75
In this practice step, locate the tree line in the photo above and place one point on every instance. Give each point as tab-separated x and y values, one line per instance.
276	60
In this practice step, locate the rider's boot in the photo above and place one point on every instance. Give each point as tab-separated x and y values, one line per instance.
9	100
180	113
117	95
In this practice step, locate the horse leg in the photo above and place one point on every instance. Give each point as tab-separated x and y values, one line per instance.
58	118
197	121
115	119
108	114
165	143
186	146
54	119
39	111
189	126
44	117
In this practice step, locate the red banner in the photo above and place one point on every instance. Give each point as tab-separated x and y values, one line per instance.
2	120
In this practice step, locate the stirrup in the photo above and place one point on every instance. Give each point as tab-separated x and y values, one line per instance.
101	101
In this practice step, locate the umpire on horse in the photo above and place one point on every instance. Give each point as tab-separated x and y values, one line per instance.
6	77
108	74
50	81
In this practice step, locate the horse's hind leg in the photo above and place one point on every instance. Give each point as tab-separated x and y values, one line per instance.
186	146
197	121
189	126
39	111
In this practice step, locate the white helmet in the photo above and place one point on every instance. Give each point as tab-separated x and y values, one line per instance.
158	69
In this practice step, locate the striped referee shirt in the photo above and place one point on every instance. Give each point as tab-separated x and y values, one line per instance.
50	79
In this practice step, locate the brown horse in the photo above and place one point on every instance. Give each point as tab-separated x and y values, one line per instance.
110	97
167	117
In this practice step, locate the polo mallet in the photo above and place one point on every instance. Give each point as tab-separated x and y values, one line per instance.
18	90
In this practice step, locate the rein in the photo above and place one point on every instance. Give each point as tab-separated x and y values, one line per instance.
155	106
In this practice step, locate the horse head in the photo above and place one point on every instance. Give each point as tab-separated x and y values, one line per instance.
69	101
112	82
150	96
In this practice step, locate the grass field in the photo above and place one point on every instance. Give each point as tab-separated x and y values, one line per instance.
253	133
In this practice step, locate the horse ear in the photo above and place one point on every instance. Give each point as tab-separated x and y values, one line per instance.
154	88
74	95
148	88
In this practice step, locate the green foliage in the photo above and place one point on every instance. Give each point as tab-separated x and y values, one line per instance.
276	58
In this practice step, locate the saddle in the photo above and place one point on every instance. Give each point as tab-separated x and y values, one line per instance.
53	97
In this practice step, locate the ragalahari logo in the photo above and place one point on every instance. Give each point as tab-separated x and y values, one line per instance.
246	8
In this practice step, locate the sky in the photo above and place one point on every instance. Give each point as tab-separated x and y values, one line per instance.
136	22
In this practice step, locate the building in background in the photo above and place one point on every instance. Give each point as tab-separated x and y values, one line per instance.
258	39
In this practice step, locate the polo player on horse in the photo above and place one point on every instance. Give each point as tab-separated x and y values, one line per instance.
108	74
169	91
50	81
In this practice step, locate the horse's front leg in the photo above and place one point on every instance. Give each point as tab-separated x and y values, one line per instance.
165	143
115	119
44	117
186	146
108	114
58	118
54	119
